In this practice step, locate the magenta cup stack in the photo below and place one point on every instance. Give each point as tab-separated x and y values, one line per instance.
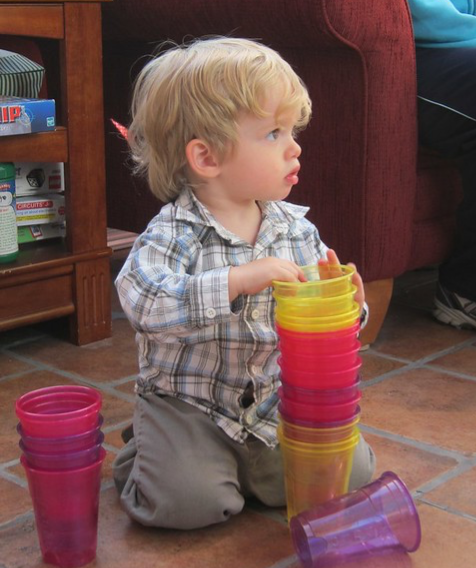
61	442
318	324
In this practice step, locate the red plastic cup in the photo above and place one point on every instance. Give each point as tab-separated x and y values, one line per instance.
320	361
331	342
61	445
317	379
364	522
64	410
66	512
319	413
310	432
66	460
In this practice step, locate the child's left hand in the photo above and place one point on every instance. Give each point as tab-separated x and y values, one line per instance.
328	268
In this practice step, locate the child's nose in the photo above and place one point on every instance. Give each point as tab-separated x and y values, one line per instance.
294	149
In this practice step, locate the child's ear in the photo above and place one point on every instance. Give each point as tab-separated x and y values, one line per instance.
201	159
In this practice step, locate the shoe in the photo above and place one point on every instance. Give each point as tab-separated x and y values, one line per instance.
452	309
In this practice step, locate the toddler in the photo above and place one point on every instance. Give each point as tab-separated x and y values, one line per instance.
214	130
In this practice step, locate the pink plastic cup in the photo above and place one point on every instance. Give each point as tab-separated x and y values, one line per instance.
61	445
66	460
319	413
317	379
66	512
323	433
331	342
379	516
63	410
319	361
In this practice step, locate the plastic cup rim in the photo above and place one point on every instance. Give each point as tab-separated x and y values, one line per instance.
396	480
36	470
355	367
342	424
346	269
93	407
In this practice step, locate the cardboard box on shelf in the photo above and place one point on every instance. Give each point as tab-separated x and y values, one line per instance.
40	210
38	178
26	116
33	233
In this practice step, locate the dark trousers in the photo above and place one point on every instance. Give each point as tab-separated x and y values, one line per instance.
447	123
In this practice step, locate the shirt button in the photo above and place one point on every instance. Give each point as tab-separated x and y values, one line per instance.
249	419
255	314
210	313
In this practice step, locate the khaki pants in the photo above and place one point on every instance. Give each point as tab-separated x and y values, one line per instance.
180	470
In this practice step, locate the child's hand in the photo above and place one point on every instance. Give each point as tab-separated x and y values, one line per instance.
257	275
328	268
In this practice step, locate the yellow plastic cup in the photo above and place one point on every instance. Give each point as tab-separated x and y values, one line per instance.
316	288
318	324
315	473
318	306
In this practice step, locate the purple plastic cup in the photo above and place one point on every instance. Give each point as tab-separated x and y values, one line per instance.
319	413
374	518
63	410
66	512
321	396
64	444
64	460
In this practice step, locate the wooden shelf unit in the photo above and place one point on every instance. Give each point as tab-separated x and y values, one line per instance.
70	278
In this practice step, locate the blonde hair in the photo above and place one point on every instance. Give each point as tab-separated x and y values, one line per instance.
197	90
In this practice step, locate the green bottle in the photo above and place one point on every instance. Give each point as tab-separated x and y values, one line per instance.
8	213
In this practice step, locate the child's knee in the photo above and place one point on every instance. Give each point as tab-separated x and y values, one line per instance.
180	502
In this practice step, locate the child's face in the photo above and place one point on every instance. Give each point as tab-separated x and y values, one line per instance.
264	164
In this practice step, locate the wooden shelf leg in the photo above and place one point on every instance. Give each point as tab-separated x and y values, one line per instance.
92	318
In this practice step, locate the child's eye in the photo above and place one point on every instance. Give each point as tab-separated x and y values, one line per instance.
273	135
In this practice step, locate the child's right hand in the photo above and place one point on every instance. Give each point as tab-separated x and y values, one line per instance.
257	275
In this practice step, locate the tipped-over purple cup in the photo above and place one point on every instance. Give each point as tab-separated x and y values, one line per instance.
376	517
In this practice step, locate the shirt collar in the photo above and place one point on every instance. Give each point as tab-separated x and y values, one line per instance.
278	216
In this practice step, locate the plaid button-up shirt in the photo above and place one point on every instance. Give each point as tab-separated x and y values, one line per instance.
193	344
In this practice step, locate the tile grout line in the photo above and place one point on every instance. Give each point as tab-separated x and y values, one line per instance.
285	562
424	446
442	478
448	509
29	515
40	366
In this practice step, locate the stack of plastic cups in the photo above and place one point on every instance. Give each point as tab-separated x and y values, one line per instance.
62	453
318	325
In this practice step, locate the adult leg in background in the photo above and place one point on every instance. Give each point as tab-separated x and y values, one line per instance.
447	123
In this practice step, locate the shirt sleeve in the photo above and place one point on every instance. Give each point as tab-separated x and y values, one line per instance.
160	296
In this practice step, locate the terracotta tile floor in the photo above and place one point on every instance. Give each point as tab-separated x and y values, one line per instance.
419	414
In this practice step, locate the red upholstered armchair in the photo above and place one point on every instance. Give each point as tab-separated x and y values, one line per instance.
374	197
